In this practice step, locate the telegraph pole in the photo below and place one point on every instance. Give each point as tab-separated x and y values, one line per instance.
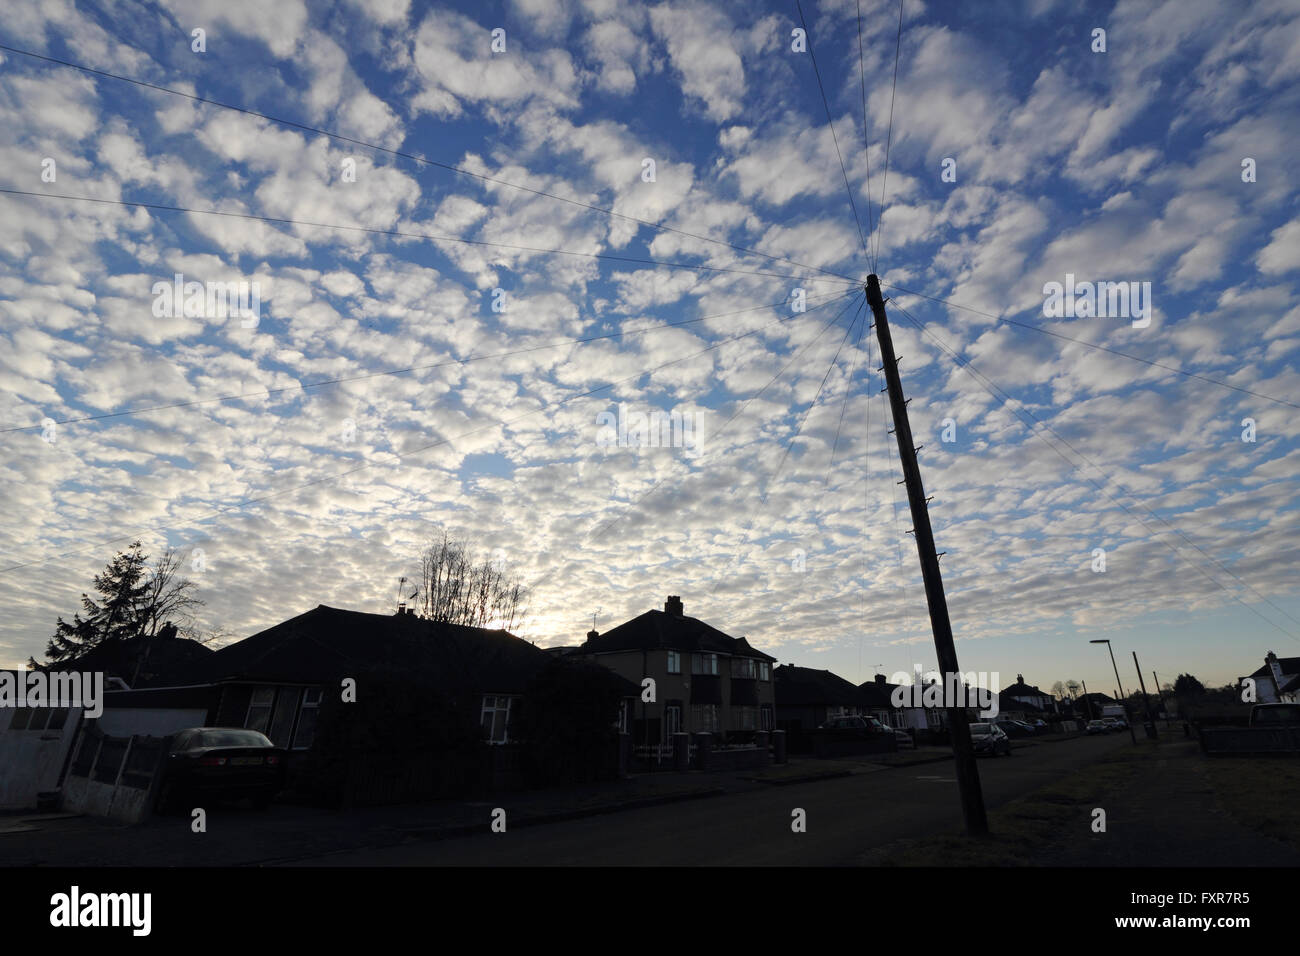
1146	701
1161	694
1119	683
968	779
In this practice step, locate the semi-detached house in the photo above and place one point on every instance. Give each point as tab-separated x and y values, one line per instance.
705	680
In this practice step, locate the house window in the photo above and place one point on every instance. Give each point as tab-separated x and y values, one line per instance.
746	717
765	717
496	719
307	717
704	663
704	717
672	720
259	709
286	709
744	667
674	662
622	716
764	670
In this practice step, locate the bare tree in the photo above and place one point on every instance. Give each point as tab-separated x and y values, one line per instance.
458	587
168	598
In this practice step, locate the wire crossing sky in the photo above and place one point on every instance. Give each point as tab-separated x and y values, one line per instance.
292	289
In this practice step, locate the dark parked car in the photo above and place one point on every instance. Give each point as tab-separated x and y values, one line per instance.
1013	728
989	739
851	726
1096	727
221	762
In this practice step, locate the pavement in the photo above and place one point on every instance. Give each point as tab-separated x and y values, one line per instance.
842	815
286	833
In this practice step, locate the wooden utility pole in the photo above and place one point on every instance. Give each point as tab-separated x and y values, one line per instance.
1146	701
968	778
1161	694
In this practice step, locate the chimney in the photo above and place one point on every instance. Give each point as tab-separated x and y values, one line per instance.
880	679
1020	678
673	605
593	634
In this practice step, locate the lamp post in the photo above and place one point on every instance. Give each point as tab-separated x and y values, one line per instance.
1127	718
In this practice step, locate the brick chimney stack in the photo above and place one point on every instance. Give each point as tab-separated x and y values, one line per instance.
673	605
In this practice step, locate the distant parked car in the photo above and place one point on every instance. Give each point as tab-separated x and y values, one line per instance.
850	726
1120	723
221	762
989	739
901	737
1112	724
1096	727
1013	728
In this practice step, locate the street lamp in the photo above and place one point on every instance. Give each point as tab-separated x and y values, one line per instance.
1120	684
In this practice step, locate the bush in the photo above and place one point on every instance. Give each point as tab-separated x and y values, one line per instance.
567	723
393	717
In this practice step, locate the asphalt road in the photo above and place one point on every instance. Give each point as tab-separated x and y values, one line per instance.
844	817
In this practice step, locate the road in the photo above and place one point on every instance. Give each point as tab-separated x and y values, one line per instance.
845	816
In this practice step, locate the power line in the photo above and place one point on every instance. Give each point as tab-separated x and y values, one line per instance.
414	157
395	457
1016	407
884	189
738	558
862	73
433	237
400	371
1099	348
848	391
834	139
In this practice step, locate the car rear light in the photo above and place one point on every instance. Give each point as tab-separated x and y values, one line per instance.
272	759
212	762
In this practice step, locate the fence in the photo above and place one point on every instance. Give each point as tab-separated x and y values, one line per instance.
113	777
1227	741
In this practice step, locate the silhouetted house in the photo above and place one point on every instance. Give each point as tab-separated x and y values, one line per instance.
705	680
807	698
274	681
878	700
1093	706
1023	701
1278	681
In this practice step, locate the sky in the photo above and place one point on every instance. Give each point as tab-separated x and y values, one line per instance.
463	263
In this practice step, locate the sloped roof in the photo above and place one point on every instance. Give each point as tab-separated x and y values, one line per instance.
1288	665
805	687
326	644
141	661
1021	689
877	693
659	629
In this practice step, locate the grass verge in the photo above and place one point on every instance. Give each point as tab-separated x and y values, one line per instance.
1025	831
1259	793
